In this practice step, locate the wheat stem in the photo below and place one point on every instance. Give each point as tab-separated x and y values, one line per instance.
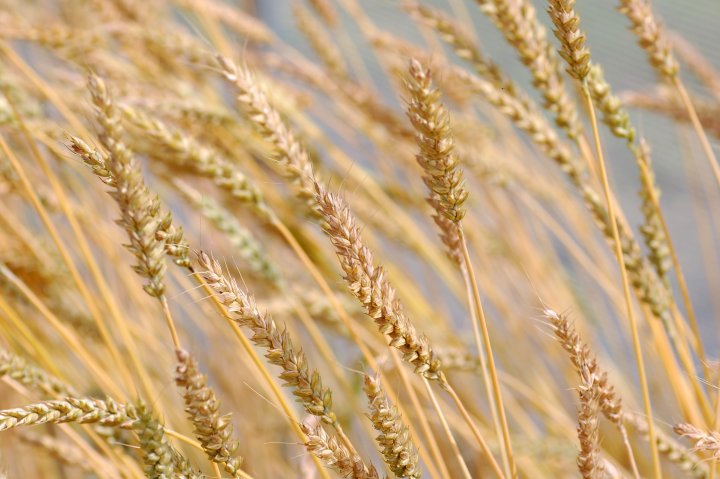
634	330
446	428
487	347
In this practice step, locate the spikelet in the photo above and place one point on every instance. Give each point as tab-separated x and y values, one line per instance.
212	430
669	448
249	27
138	209
394	438
642	276
697	63
616	118
166	234
458	359
589	461
242	239
453	34
63	451
652	229
326	11
449	233
533	123
664	104
644	279
596	396
613	113
79	410
180	149
321	43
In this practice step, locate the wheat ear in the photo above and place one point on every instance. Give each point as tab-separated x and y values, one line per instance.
138	209
212	430
670	448
654	41
290	153
519	25
394	438
444	179
17	368
306	382
80	410
180	149
336	456
320	41
589	462
156	450
705	441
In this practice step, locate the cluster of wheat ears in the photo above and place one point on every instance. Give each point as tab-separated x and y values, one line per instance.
360	246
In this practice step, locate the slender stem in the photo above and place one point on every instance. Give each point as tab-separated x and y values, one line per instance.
100	465
626	287
92	265
424	423
62	201
32	342
704	142
45	89
448	432
716	421
684	291
483	362
69	336
628	448
508	458
170	323
476	432
55	235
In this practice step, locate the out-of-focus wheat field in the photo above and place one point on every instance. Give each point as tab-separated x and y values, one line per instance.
359	239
